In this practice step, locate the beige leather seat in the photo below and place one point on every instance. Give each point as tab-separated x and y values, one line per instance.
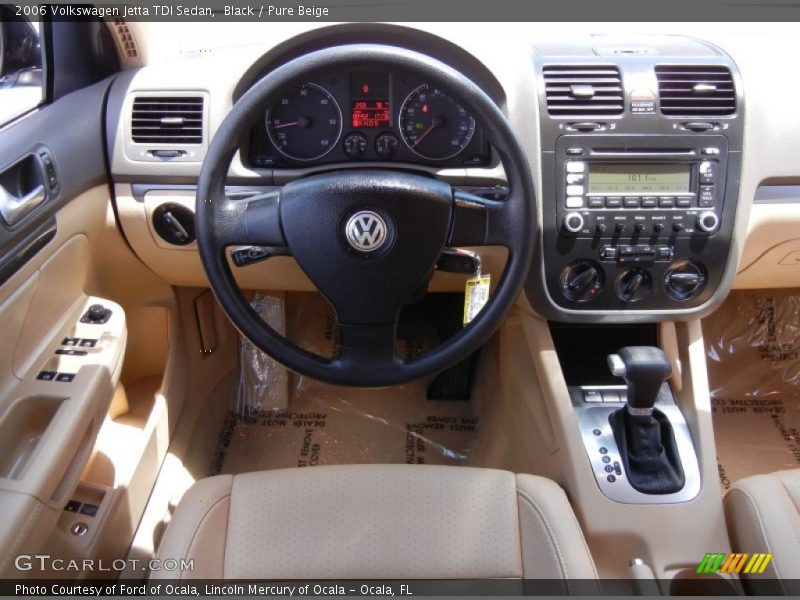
763	514
379	522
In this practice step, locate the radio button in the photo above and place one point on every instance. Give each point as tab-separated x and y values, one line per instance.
575	166
648	202
573	222
574	201
646	252
608	253
708	221
574	151
708	171
638	227
706	198
710	151
666	201
631	201
664	253
658	227
574	190
613	201
683	202
574	178
596	202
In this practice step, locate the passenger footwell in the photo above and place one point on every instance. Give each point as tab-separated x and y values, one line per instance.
753	352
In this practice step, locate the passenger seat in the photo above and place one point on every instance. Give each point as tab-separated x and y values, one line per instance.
763	515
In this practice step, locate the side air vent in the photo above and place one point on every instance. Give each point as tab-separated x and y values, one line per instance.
696	91
167	120
573	90
125	39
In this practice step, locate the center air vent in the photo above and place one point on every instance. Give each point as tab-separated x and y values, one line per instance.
167	120
696	91
574	90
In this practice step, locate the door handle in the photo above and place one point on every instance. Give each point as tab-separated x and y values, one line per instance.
23	188
13	209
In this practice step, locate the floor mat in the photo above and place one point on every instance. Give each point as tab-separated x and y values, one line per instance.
326	424
753	351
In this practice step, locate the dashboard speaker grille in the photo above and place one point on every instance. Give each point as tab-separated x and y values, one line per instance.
167	120
573	90
697	91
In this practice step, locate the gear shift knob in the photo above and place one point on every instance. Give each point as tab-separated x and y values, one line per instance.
644	369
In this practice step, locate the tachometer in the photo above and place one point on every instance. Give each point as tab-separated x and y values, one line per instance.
433	125
306	123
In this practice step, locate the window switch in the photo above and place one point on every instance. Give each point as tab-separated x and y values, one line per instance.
72	506
65	377
70	341
87	343
46	375
71	352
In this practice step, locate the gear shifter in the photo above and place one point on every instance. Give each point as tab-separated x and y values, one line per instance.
643	433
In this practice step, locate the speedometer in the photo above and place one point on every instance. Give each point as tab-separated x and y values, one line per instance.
433	125
306	123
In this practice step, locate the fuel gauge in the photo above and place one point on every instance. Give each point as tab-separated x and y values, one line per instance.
386	145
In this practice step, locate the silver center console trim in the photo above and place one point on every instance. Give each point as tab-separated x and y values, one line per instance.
597	435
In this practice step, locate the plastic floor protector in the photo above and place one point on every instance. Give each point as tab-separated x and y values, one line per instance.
753	351
327	424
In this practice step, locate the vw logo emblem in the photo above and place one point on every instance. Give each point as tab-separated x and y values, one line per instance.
366	231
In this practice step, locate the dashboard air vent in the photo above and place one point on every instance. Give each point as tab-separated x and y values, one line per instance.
573	90
167	120
696	91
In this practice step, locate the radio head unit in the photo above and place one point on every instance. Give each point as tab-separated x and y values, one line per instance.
637	223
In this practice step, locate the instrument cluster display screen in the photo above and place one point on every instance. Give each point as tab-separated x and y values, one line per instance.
370	92
371	114
627	178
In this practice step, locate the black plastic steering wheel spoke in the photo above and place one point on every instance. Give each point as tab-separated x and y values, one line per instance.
367	346
250	221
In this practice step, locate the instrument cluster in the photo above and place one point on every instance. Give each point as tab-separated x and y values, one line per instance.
367	116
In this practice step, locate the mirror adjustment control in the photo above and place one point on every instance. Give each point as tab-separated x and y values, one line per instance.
96	314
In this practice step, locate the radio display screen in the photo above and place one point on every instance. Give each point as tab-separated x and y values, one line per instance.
627	178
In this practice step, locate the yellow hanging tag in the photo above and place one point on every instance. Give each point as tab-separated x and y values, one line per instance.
476	295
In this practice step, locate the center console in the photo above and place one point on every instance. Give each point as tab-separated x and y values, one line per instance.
641	157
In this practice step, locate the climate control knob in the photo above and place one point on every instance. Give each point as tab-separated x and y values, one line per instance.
708	221
684	280
582	280
633	285
573	222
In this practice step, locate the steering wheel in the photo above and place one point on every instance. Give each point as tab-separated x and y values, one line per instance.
367	238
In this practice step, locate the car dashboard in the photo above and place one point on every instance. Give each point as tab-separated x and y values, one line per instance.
636	145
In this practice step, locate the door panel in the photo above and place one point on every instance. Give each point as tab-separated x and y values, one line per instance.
54	393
